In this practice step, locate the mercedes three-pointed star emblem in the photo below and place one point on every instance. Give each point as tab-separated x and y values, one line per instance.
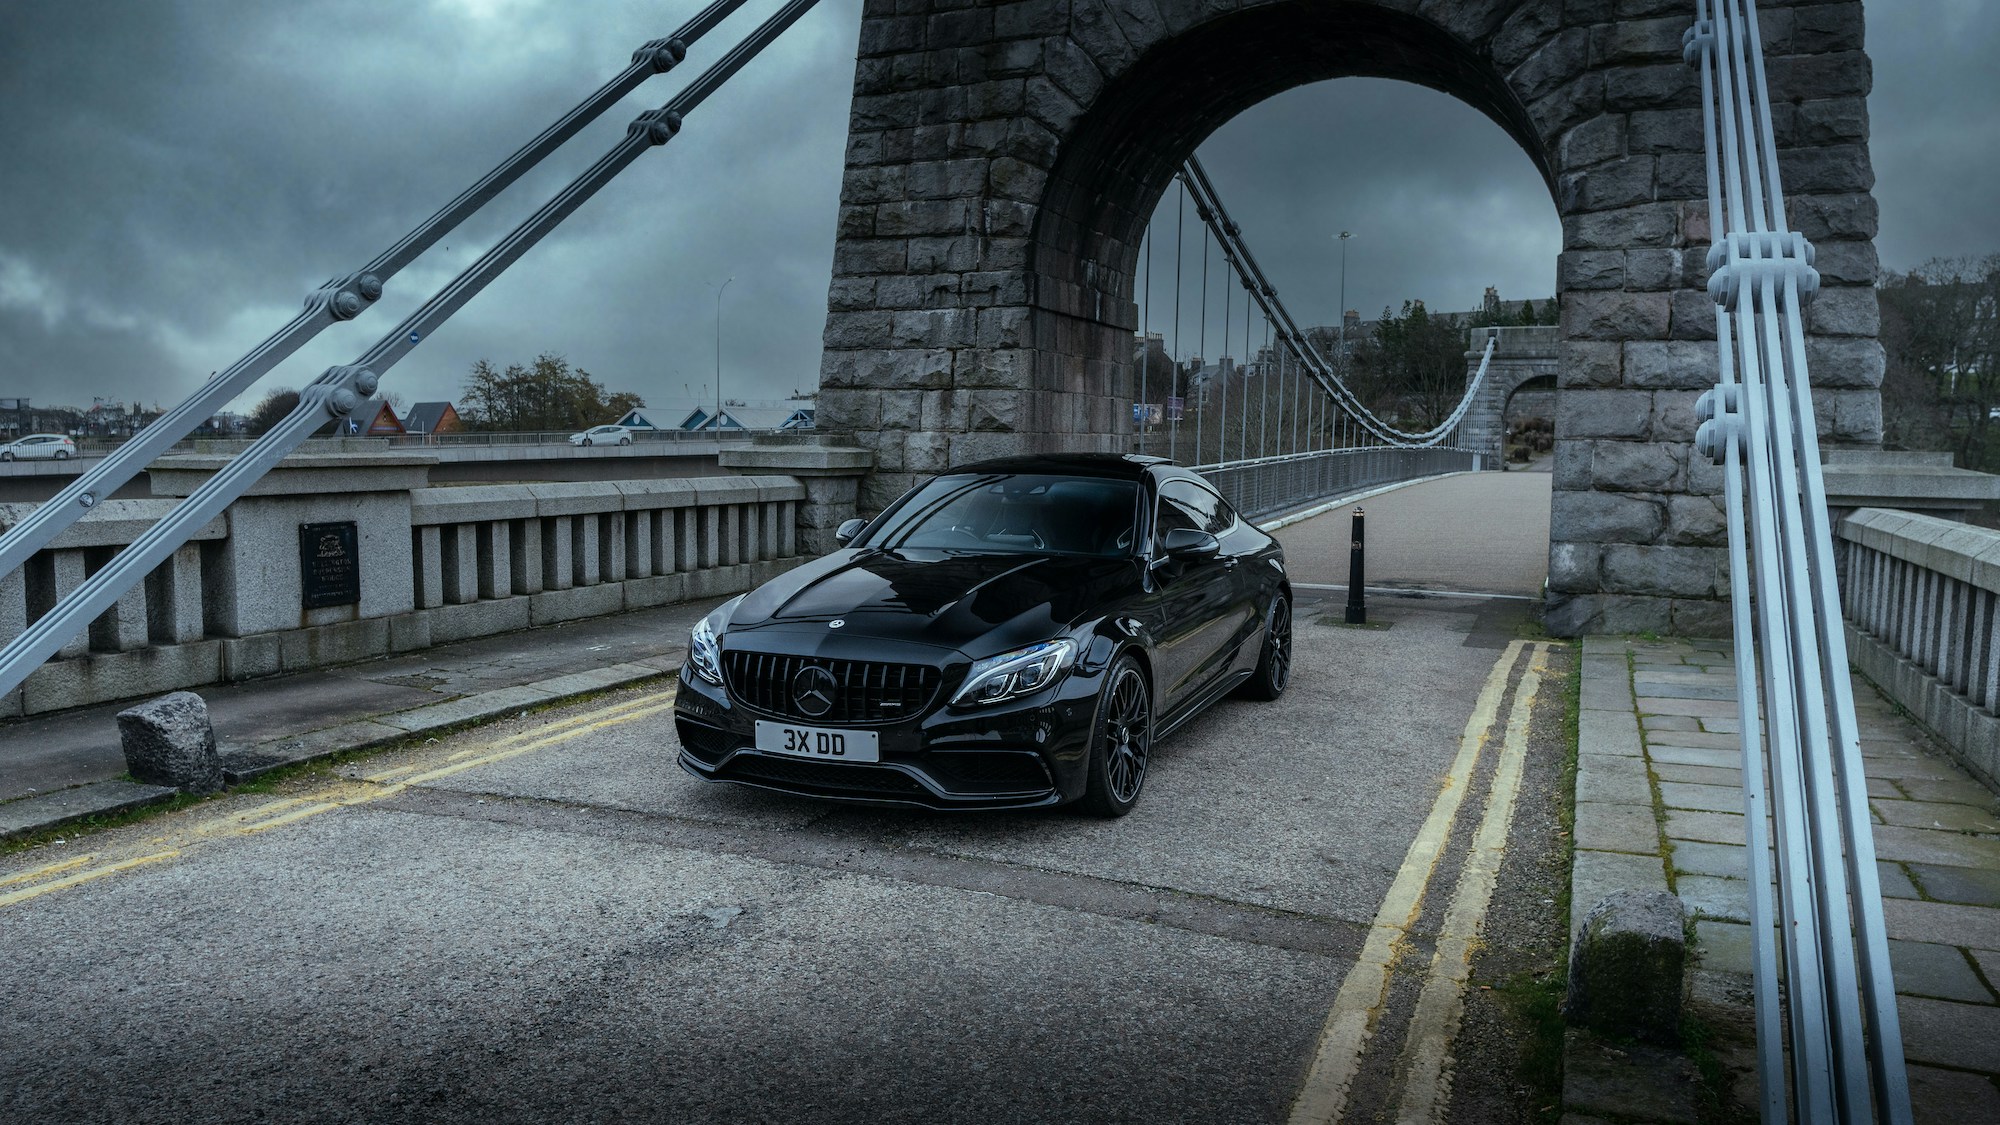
812	691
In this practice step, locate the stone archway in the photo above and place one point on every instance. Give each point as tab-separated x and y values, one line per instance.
1521	356
1003	159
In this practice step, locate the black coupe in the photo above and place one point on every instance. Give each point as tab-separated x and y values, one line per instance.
1009	634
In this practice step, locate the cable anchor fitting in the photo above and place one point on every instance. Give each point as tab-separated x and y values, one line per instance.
657	126
339	390
1721	414
1741	260
662	54
343	298
1697	41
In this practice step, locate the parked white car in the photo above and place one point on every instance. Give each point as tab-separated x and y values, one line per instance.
602	435
39	447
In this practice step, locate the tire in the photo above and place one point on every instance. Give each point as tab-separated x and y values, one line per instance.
62	454
6	455
586	441
624	441
1274	663
1121	741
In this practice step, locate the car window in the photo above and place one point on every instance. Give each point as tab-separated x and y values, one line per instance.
1183	503
1015	513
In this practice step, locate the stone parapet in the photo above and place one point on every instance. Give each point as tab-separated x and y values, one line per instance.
429	565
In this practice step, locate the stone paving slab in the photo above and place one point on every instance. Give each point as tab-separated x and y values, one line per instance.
1711	798
1608	827
1937	842
1966	1036
1931	814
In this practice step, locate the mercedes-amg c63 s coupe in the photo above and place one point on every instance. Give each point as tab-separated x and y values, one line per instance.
1009	634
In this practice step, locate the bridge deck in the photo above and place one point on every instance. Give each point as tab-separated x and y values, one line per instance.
1486	532
545	919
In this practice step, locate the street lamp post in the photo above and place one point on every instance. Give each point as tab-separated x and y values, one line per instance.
1344	235
717	420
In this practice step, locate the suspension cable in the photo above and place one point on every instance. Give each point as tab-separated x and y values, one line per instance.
340	299
338	391
1209	207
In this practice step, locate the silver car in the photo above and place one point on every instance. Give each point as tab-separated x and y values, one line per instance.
602	435
39	447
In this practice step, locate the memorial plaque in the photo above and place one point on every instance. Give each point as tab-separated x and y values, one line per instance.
329	564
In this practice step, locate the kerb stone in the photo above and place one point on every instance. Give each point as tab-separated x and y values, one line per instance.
1625	968
168	741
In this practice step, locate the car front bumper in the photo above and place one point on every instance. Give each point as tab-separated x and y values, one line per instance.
1025	753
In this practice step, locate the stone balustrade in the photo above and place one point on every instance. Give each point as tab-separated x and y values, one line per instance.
1922	600
435	564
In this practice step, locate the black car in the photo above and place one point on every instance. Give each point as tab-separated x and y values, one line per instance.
1009	634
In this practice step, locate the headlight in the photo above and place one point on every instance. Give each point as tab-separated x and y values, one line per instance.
704	654
1015	673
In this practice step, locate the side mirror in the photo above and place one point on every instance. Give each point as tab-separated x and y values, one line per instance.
1188	544
845	533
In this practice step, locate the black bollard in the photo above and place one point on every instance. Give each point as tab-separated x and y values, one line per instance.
1357	605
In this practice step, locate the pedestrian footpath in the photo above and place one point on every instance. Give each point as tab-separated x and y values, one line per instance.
67	766
1659	806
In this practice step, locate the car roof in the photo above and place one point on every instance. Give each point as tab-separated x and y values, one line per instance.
1128	466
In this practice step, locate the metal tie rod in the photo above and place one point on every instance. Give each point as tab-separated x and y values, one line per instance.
1846	1054
336	393
342	298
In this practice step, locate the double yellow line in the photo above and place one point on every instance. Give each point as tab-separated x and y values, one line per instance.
1363	996
328	797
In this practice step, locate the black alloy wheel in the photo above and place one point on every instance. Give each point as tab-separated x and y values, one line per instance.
1121	741
1274	665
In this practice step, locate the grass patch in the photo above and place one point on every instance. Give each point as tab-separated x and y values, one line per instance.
100	822
1535	1000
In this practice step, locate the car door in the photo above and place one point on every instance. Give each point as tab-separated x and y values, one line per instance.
1196	596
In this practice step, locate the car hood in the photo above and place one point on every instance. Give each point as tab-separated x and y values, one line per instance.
978	604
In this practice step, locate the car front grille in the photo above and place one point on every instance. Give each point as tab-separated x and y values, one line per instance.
864	691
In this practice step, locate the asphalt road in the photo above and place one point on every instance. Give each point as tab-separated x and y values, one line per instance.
546	920
1484	532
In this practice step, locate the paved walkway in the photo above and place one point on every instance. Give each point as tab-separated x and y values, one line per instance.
1484	532
68	765
1659	806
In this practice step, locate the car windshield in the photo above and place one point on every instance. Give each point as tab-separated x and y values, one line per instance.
994	513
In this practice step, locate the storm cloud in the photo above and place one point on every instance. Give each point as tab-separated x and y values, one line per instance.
178	175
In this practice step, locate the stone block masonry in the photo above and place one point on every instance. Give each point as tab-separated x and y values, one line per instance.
1004	159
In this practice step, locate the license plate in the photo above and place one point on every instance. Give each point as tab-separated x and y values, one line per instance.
795	741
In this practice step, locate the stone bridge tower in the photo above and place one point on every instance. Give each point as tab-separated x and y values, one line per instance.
1004	158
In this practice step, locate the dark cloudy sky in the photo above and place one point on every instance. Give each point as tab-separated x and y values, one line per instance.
178	174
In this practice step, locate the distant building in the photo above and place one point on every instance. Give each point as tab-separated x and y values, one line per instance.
433	418
373	418
792	415
639	418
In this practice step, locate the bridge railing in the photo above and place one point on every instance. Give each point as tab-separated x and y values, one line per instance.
1270	486
1922	598
439	564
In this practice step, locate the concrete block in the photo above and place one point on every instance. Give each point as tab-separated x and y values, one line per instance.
1626	967
169	741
